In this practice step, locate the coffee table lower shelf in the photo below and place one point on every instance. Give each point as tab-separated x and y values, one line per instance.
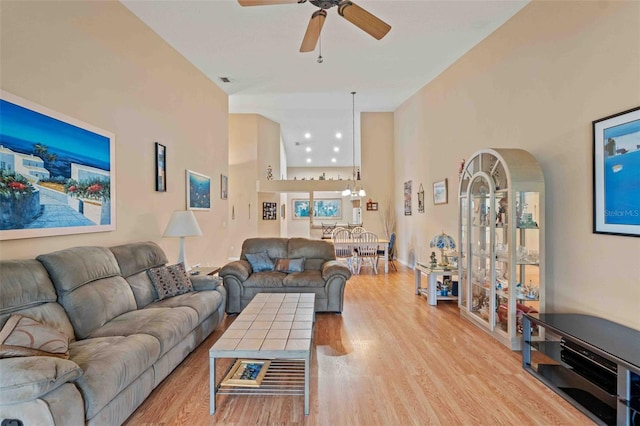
283	377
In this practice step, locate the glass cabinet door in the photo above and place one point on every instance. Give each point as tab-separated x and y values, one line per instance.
480	239
463	258
527	241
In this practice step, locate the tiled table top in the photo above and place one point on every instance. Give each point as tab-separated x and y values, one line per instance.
273	324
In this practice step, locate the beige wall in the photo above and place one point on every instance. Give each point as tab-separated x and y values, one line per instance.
97	62
254	144
378	168
536	83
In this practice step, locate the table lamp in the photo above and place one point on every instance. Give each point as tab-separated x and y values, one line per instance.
443	242
182	224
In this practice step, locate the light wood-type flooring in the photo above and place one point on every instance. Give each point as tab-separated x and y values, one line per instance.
389	359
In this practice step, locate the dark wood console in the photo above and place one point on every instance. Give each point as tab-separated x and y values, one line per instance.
591	362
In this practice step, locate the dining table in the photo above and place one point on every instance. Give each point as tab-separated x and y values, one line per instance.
383	244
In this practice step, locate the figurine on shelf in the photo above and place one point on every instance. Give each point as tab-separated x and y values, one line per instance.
502	212
434	261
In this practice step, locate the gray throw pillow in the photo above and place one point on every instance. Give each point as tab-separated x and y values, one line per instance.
260	261
170	280
290	265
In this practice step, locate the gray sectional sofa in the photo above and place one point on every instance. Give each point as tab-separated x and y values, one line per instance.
123	342
322	274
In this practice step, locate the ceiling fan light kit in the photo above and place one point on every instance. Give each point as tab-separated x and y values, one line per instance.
350	11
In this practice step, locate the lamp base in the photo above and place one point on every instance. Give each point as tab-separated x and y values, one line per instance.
182	257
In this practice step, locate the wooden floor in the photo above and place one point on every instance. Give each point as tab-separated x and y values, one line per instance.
389	359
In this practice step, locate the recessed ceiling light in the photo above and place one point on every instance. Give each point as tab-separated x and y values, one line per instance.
339	135
333	160
336	149
308	160
307	135
308	149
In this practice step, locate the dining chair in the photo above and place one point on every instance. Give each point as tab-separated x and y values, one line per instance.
390	251
343	246
357	231
337	229
367	244
327	230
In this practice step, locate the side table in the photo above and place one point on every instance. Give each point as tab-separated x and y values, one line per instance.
431	291
205	270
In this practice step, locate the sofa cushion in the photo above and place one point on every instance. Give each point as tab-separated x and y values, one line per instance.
275	247
25	283
269	279
24	336
204	303
134	260
111	364
260	261
24	379
89	286
304	279
170	280
74	267
289	265
167	325
316	252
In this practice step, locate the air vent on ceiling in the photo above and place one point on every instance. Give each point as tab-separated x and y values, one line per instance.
225	79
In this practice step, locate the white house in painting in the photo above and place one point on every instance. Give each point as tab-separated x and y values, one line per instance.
83	173
28	165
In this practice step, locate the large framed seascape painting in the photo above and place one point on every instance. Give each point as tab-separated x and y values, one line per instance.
198	191
57	174
323	208
616	174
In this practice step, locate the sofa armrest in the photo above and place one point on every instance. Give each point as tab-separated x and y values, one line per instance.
205	282
28	378
334	267
238	268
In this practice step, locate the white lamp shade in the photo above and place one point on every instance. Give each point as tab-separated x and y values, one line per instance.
183	223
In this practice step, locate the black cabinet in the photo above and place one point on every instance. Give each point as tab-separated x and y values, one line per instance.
592	362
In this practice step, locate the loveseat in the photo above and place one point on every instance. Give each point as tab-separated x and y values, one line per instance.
298	265
122	340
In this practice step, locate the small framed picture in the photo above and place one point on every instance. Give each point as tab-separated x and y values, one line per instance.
440	192
269	211
421	199
372	206
161	167
198	191
224	187
246	372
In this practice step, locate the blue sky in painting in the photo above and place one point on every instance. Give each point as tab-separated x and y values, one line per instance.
627	135
27	125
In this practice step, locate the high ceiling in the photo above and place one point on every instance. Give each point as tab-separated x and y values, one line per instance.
256	48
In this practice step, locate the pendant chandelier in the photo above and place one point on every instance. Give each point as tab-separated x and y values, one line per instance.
352	188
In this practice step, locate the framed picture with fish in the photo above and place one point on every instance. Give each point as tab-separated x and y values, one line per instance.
616	174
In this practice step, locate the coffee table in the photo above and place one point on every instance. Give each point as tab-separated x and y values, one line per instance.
273	326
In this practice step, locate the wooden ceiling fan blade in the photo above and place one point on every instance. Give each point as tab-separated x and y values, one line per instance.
267	2
314	28
364	20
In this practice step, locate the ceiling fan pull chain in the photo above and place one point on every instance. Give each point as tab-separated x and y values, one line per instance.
320	58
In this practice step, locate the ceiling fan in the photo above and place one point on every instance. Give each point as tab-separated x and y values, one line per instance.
347	9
